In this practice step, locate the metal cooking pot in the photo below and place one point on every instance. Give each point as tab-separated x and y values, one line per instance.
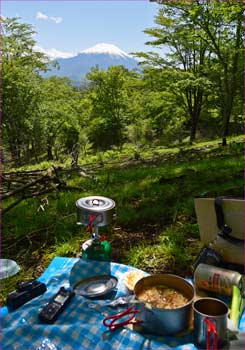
165	321
101	208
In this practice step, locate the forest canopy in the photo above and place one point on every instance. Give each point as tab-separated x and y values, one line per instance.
194	91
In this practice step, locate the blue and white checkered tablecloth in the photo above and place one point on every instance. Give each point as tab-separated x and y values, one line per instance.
80	325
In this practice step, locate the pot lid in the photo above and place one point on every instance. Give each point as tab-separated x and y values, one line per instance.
95	286
95	203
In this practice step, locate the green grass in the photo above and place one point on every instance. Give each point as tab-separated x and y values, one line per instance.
174	252
155	228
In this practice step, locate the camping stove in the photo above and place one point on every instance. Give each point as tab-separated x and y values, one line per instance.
94	212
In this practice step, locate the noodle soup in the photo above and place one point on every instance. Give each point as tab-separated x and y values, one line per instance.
163	297
165	303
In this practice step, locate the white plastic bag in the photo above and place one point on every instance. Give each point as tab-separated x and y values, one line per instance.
8	268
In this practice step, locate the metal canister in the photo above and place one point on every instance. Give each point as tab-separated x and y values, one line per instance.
217	279
100	207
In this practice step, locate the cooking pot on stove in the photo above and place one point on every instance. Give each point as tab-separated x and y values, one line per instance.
99	208
164	321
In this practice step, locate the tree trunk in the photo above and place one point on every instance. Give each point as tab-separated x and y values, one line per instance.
34	150
226	119
194	111
228	98
49	153
16	152
193	128
231	84
50	149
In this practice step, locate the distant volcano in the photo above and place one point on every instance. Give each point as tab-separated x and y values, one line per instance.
102	55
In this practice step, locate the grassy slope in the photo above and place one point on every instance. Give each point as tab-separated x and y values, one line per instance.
156	226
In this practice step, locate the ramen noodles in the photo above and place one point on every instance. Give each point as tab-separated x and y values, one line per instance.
163	297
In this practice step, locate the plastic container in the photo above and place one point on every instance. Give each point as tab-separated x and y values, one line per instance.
8	268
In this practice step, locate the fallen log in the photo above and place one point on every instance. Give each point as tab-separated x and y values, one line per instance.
46	183
22	188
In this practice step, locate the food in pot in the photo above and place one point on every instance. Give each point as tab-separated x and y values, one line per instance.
131	278
163	297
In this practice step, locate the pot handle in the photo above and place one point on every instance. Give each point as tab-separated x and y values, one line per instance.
211	330
113	321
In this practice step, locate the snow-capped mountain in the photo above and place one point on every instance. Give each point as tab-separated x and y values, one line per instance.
109	49
102	55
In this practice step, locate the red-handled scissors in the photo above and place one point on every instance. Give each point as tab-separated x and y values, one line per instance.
112	321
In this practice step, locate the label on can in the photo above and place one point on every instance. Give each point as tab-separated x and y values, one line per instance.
216	279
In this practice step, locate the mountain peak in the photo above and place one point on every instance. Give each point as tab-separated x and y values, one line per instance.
106	49
101	55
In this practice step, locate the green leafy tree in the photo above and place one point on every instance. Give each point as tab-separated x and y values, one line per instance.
139	126
221	28
183	67
156	114
59	116
108	96
215	29
20	84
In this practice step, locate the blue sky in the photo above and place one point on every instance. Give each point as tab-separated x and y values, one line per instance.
72	26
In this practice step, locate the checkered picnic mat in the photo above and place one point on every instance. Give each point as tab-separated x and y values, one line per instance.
80	326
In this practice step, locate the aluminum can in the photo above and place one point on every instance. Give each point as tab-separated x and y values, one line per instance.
217	279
